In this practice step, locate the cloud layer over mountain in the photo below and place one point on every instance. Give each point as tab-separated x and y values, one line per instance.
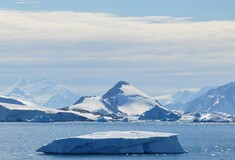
101	46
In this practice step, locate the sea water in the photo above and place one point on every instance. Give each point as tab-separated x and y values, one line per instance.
18	141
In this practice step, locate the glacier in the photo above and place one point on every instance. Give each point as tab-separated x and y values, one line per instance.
15	110
217	117
116	142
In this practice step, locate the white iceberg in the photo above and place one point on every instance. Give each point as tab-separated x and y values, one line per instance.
116	142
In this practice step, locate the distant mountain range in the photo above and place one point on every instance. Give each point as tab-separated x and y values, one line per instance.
206	100
220	99
182	96
42	92
122	102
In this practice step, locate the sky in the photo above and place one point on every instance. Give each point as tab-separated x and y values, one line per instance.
159	46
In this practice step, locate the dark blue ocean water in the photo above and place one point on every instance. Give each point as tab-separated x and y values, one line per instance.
18	141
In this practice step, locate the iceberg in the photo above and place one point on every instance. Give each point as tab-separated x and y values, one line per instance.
116	142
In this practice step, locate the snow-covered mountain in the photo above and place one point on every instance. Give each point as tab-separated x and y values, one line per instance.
15	110
182	96
45	93
94	104
159	113
123	99
178	99
221	99
127	99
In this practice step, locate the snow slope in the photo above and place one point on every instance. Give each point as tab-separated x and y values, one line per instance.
116	142
42	92
221	99
14	110
127	99
179	96
214	117
93	104
178	99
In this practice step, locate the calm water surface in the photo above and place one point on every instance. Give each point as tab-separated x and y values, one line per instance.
18	141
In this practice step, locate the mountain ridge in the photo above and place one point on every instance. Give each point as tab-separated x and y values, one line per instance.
42	92
220	99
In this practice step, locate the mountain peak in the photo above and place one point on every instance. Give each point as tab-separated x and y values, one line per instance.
121	83
42	92
22	82
220	99
16	90
116	89
125	89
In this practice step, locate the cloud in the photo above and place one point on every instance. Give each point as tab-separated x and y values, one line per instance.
164	35
27	2
78	26
174	52
159	19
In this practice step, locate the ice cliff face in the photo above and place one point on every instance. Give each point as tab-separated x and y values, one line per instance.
221	99
116	142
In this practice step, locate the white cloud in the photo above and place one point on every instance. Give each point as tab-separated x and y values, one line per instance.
27	2
104	46
18	25
170	38
159	19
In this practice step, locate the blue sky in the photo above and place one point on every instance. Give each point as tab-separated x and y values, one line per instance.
159	46
198	9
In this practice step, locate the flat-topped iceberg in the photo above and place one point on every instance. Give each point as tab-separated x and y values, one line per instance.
116	142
